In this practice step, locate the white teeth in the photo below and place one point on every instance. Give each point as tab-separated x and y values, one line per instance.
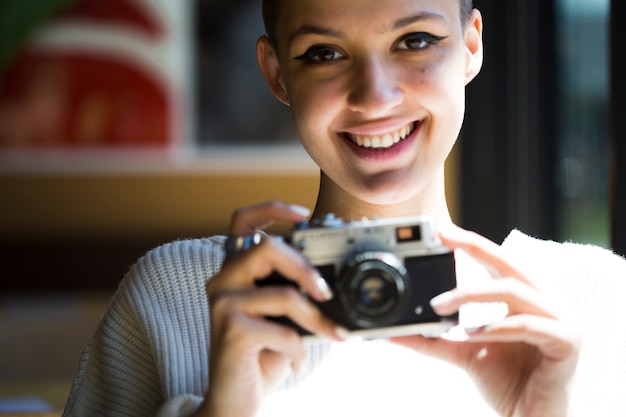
385	141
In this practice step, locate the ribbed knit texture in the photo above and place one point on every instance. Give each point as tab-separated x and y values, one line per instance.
149	356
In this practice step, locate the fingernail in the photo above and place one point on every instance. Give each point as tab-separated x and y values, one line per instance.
303	211
441	299
324	289
342	333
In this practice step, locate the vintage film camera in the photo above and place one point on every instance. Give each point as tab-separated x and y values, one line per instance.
383	273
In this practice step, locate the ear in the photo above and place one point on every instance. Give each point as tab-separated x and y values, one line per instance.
268	61
474	46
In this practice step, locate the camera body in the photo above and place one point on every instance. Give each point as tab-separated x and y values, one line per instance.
383	273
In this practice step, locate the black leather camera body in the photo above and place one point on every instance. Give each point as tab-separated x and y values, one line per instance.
383	274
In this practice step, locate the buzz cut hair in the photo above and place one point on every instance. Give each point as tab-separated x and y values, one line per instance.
269	9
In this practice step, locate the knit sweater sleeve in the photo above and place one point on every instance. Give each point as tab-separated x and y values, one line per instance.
149	355
588	285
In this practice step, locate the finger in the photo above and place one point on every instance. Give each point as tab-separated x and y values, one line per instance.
274	366
555	340
519	297
446	350
247	220
243	335
483	250
259	262
280	301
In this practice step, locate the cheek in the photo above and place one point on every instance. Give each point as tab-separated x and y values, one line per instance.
313	107
441	91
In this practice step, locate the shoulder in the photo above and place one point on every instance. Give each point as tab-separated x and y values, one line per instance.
568	262
175	270
196	249
563	255
589	279
156	321
181	257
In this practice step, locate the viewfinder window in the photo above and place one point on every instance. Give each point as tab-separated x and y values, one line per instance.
408	234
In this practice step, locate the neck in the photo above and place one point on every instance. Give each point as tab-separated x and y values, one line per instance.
429	201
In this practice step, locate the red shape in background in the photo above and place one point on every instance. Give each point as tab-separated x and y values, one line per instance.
116	12
75	100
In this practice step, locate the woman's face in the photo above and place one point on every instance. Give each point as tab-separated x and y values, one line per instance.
376	88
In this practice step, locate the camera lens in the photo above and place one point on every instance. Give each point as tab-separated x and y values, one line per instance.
375	290
372	288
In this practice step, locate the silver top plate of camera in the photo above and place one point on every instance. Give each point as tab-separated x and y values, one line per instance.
322	240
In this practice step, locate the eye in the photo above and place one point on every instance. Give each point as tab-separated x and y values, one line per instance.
320	54
418	41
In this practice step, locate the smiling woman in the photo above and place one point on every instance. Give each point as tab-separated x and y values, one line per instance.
191	332
373	92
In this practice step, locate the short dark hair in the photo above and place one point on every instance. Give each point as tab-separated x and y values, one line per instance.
270	13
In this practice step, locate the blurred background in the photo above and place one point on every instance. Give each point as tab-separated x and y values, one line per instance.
125	123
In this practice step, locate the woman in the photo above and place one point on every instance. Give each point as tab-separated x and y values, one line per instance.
376	90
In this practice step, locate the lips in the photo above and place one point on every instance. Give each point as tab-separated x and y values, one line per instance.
382	141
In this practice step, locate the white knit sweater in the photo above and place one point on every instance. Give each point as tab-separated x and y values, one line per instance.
149	356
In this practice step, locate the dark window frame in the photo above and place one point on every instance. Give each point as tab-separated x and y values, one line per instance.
618	129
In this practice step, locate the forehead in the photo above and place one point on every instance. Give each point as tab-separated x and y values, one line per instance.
324	9
376	14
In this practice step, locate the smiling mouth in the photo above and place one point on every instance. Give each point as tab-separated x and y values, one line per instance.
383	141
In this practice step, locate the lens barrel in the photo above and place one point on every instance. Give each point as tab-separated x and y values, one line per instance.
373	288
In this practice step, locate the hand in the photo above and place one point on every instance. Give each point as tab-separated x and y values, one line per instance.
524	364
250	356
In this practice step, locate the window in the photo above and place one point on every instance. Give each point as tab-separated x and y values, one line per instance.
234	107
582	32
535	146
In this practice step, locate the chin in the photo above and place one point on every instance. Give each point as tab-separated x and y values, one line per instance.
388	195
399	188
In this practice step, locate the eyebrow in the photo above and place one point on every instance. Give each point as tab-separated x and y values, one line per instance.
315	30
309	29
409	20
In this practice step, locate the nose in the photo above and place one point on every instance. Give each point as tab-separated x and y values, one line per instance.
374	88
